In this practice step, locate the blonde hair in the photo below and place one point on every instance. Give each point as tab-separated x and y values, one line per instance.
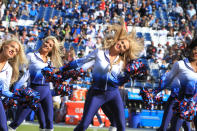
55	54
135	46
18	60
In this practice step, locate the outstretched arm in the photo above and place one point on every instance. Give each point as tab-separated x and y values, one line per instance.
167	78
85	62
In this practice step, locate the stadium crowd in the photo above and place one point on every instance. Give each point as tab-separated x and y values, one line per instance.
165	26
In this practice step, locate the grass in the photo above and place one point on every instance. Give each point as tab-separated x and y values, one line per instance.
56	128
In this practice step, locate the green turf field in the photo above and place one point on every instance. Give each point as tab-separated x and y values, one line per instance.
70	128
62	128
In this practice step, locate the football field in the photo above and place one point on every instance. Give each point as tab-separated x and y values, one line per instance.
63	127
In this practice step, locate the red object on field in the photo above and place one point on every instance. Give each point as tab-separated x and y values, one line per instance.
72	119
75	111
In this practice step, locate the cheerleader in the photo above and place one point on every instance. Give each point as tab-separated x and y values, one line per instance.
183	79
108	66
11	57
47	53
187	73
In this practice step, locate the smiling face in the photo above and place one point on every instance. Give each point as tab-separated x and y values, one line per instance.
11	50
194	53
47	46
121	46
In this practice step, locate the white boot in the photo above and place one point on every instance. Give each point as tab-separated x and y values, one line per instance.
49	130
41	129
111	128
10	129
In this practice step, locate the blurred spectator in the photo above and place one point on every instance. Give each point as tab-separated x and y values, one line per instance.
12	5
25	12
193	23
2	9
179	37
92	20
84	19
98	42
160	55
33	13
151	50
2	28
70	56
91	30
163	32
100	18
84	8
99	32
144	22
142	10
43	23
151	20
90	45
191	11
92	8
156	25
6	17
65	33
171	32
6	35
149	10
34	33
178	10
176	26
31	45
154	65
119	7
24	38
102	5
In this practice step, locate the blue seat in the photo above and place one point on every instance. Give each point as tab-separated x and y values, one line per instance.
139	34
147	37
48	13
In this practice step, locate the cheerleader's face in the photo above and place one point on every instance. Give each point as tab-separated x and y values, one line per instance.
11	50
194	52
47	46
122	46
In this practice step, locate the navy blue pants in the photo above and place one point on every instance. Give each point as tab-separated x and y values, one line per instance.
106	109
178	122
3	120
44	112
168	113
195	122
169	116
94	100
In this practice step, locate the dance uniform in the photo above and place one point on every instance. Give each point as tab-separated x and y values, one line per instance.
38	83
104	87
178	78
5	78
188	82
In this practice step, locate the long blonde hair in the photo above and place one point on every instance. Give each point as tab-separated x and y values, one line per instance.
55	54
17	61
135	46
